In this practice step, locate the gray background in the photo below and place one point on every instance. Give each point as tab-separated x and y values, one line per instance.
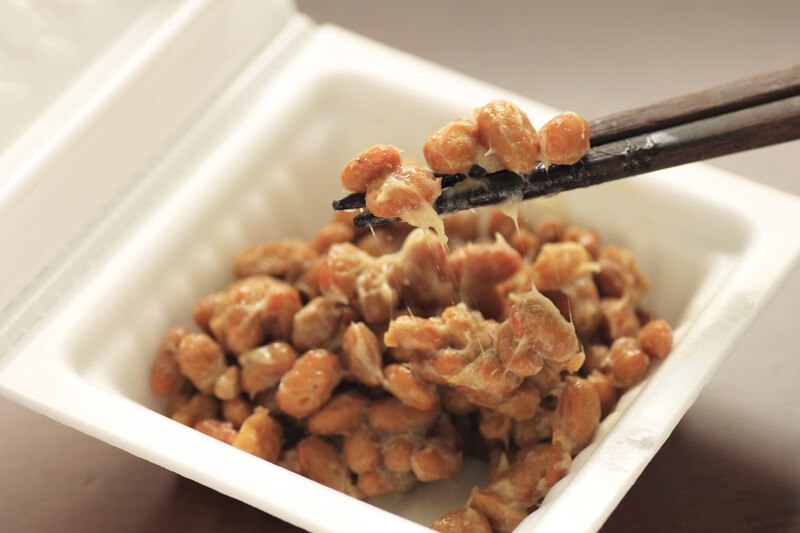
732	464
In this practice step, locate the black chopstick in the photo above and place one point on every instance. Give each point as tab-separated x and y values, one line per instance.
747	114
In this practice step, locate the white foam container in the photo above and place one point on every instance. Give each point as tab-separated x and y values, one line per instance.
216	125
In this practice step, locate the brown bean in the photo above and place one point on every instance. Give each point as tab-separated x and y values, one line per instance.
406	189
385	239
333	233
498	221
222	431
464	520
320	461
494	425
655	338
342	413
618	318
227	385
526	244
286	259
381	481
534	430
564	140
197	408
309	383
455	402
597	357
577	415
236	411
606	392
201	360
252	310
503	515
389	414
476	269
165	377
371	164
401	381
422	263
436	460
541	329
316	325
585	311
453	148
523	403
288	460
620	274
551	228
508	132
462	227
586	237
362	353
263	367
397	451
485	381
628	363
361	452
560	264
203	310
260	435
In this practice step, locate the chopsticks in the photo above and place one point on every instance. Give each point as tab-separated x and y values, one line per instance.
746	114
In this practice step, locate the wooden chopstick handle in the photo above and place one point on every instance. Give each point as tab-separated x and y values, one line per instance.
745	93
747	129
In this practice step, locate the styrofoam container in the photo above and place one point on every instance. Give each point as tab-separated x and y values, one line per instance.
218	125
